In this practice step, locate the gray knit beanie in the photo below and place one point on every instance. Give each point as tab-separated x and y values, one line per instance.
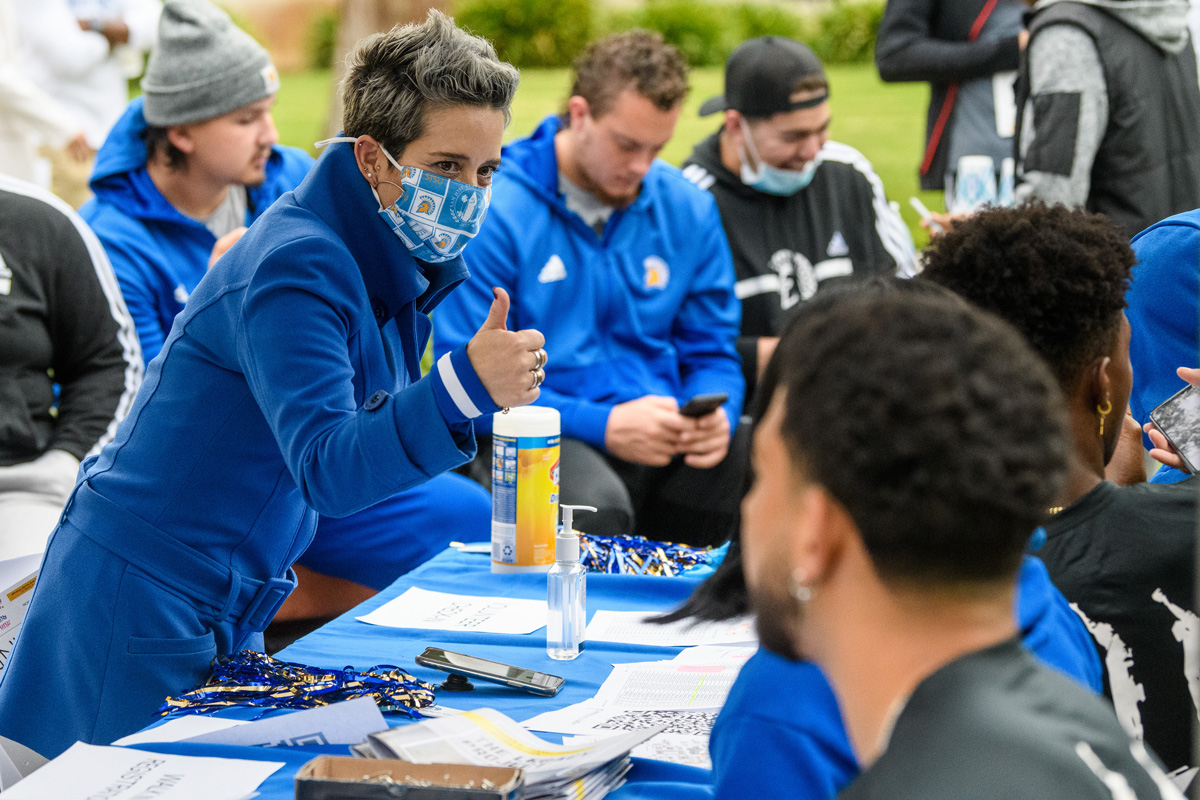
203	66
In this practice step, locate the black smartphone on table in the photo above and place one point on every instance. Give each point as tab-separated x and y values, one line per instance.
703	404
1178	419
474	667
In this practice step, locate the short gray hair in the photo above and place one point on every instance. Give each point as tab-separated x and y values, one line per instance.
393	79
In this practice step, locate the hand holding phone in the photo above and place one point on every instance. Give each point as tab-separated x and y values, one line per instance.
506	674
1177	419
703	404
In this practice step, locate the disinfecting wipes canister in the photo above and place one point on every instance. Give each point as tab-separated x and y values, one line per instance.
525	456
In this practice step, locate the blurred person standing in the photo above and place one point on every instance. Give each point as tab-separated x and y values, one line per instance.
28	116
968	52
1108	110
69	359
83	53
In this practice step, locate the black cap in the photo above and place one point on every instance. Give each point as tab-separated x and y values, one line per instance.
761	76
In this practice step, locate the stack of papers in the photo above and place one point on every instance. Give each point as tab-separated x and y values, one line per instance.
680	697
488	738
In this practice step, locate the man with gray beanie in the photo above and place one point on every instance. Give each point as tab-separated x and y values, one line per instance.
187	168
800	211
193	160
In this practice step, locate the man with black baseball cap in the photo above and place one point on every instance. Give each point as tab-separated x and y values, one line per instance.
799	210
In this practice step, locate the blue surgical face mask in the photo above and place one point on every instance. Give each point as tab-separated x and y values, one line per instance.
773	180
434	216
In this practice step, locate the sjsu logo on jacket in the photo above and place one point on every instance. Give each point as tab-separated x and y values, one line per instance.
658	274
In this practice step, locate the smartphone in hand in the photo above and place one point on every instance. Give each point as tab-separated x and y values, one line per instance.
703	404
1178	419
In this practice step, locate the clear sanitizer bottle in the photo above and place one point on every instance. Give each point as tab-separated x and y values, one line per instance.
566	592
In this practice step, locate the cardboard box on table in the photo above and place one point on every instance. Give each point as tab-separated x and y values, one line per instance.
339	778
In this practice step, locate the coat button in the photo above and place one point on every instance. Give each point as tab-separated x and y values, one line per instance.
379	309
376	400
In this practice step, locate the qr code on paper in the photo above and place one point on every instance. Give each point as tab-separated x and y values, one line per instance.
691	723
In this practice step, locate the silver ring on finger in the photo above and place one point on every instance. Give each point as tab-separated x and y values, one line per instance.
542	358
539	375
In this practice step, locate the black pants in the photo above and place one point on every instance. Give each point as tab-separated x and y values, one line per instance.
675	503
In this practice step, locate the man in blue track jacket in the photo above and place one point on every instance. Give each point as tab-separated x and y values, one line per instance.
177	181
625	267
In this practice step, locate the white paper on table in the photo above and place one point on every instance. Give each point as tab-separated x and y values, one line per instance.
180	728
678	748
667	686
17	577
115	773
631	627
486	737
420	608
347	722
713	654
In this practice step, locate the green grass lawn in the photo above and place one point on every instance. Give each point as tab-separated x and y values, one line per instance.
885	121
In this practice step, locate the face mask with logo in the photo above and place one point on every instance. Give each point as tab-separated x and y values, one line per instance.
434	216
773	180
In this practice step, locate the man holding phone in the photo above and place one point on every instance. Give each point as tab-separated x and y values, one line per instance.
801	211
626	269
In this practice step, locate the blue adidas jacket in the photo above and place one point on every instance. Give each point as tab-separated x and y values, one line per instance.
781	725
158	254
1162	316
289	386
647	308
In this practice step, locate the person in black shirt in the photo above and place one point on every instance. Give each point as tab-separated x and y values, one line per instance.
70	364
910	445
1124	556
800	211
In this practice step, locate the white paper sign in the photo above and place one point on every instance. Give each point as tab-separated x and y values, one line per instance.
115	773
631	627
420	608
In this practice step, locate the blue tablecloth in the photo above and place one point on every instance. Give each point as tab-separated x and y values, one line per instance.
348	642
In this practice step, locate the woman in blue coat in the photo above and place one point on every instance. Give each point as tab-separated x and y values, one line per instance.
290	387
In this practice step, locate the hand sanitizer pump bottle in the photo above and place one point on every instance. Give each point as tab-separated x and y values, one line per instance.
566	592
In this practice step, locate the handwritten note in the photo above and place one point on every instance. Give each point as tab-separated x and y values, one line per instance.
420	608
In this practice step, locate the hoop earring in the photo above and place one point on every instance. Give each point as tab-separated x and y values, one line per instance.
1103	411
797	587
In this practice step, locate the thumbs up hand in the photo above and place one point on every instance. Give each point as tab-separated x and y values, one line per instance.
508	363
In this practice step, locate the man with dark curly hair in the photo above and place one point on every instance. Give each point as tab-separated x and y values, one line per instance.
910	446
625	267
1122	555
